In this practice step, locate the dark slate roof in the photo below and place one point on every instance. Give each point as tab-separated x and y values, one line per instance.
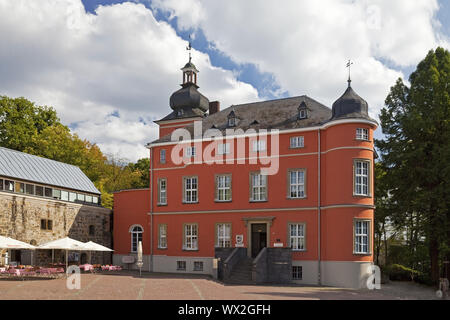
187	113
350	105
24	166
279	114
189	97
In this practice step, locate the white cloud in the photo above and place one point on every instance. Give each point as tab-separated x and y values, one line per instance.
90	66
306	44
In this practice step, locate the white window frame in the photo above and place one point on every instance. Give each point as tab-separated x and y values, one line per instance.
297	273
231	121
258	187
361	237
135	236
259	145
223	148
223	187
361	177
162	191
223	235
162	238
190	152
302	114
189	193
190	236
362	134
299	188
162	156
297	239
297	142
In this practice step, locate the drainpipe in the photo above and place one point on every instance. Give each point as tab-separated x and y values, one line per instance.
151	209
319	280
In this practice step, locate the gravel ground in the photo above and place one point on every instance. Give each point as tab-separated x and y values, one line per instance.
128	285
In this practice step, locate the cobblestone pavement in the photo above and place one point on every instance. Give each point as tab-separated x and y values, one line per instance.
128	285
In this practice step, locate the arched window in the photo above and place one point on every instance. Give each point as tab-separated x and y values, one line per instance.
136	236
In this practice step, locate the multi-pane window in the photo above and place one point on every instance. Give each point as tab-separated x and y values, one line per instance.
259	145
72	196
361	178
162	196
46	224
48	192
181	265
297	184
297	142
9	185
136	236
162	156
190	189
20	187
362	231
297	236
297	272
258	187
190	152
223	148
56	194
223	188
29	189
223	232
162	241
191	236
362	134
198	265
40	191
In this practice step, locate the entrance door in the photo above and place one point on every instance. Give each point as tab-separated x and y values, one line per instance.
259	238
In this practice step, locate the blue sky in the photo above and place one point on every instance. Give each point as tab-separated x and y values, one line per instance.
264	82
108	67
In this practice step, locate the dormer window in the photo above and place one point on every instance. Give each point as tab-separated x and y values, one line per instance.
303	111
232	119
180	112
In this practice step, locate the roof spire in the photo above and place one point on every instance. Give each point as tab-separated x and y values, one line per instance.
189	48
349	63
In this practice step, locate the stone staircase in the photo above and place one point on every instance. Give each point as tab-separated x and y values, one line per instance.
242	272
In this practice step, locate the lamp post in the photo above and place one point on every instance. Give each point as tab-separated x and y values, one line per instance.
139	262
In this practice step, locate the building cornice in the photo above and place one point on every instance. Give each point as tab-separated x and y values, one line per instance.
372	123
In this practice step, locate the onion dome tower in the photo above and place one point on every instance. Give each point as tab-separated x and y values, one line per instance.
350	104
187	103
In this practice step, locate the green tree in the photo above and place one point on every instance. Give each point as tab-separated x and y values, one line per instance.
142	167
416	153
21	122
37	130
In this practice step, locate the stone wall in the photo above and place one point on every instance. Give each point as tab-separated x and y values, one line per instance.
273	265
20	218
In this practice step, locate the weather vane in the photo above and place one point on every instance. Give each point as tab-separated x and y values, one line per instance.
349	63
189	48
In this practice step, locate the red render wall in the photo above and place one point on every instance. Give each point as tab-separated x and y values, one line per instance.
131	207
337	234
206	226
168	128
337	189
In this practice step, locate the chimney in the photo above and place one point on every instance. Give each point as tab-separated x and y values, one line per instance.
214	107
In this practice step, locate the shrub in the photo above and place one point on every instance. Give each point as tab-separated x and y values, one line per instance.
401	273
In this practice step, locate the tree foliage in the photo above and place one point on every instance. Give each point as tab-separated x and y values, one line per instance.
416	155
38	130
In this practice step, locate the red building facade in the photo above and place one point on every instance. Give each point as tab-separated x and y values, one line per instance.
278	191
